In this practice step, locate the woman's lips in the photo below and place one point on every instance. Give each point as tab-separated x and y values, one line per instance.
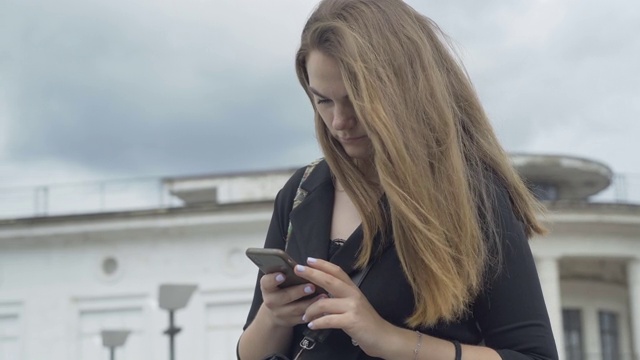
352	139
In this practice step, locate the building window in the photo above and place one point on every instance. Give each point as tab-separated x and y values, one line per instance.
609	335
572	323
544	192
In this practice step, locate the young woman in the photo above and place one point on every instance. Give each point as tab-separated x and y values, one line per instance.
414	186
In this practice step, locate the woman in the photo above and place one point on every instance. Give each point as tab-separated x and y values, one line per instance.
417	184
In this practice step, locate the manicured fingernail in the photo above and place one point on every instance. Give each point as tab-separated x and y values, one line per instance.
304	318
308	289
310	325
279	278
311	260
300	268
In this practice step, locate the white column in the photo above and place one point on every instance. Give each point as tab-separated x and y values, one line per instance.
549	273
633	271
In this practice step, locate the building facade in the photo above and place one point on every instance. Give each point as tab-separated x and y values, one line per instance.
589	264
64	279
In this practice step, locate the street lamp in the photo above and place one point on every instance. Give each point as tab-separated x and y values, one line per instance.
173	297
112	339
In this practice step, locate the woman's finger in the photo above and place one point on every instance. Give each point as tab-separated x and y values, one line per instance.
323	307
329	321
292	313
328	267
337	287
270	282
280	297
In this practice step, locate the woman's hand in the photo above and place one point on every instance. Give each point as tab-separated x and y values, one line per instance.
271	330
346	308
284	307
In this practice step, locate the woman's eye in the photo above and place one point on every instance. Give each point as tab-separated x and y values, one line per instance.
323	101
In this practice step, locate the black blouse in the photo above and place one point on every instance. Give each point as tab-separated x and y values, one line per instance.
509	315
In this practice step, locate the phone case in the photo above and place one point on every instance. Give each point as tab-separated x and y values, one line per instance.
275	260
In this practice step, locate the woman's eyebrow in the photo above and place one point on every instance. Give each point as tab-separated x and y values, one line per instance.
317	93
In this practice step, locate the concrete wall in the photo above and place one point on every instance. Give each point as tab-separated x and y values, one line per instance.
58	290
55	296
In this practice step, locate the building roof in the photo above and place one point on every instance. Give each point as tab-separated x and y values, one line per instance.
573	178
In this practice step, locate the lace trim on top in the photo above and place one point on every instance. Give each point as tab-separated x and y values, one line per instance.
335	245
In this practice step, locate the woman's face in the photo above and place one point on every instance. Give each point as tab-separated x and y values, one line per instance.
333	105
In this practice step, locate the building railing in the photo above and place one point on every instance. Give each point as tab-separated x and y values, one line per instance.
624	188
84	198
151	193
600	356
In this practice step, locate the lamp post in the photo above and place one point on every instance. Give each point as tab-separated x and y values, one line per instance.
112	339
173	297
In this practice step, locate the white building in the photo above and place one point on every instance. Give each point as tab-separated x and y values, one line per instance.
63	279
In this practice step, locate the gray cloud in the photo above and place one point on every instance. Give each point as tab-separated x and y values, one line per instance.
191	87
147	93
556	76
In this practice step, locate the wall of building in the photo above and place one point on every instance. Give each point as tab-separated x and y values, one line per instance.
55	296
59	285
591	297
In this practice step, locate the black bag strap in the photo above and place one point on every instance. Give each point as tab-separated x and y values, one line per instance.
314	337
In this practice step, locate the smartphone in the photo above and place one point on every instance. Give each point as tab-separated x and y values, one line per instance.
275	260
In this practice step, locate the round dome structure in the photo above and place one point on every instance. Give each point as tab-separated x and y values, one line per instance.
558	177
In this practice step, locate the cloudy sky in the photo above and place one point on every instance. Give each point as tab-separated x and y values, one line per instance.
94	90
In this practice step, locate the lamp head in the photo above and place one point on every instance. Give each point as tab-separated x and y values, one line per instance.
114	338
175	296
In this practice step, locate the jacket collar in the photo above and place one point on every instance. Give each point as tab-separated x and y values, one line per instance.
311	224
311	220
320	175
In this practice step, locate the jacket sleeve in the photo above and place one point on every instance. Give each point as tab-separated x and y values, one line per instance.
277	232
511	312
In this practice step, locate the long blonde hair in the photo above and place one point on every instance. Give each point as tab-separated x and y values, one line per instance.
434	151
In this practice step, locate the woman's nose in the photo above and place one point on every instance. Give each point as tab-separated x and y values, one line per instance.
343	118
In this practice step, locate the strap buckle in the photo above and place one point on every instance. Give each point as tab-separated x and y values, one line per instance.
307	343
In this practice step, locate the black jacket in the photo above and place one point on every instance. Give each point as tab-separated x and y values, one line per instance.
509	315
